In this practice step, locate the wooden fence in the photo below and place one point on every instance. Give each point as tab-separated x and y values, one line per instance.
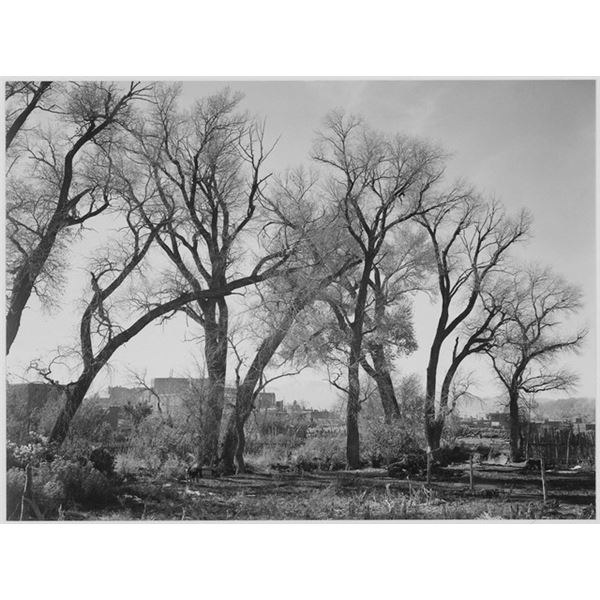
562	447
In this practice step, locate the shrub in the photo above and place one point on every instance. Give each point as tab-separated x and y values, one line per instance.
409	464
384	444
447	455
174	467
82	484
33	450
61	482
103	461
90	428
15	484
325	453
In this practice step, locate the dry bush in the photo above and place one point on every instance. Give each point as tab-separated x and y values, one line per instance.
324	453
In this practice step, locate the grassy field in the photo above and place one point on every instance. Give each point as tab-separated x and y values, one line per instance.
499	493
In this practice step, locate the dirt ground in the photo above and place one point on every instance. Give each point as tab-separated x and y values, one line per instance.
499	492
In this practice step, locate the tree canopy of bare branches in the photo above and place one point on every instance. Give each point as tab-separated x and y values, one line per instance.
532	337
470	241
207	166
320	258
378	182
59	185
22	98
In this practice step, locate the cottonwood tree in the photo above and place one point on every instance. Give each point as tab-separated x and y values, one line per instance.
59	188
399	272
113	315
402	271
322	255
208	168
470	241
379	182
531	339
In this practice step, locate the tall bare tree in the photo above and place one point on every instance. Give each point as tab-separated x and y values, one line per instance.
59	187
531	338
105	326
470	241
208	168
322	255
379	182
403	270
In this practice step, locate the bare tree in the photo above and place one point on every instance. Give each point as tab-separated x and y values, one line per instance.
208	169
470	241
402	271
379	182
60	186
113	315
321	256
531	338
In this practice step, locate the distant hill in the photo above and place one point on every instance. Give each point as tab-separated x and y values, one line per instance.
566	407
472	406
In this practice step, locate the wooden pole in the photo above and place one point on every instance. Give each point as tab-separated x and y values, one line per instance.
428	467
471	486
568	447
543	474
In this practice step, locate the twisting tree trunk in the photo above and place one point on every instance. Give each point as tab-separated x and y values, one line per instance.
380	373
234	440
74	394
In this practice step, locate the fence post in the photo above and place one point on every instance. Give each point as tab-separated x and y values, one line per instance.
471	487
568	448
543	474
428	466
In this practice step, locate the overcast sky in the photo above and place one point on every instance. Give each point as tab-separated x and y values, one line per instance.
527	143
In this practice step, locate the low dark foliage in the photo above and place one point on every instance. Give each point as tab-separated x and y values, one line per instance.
414	464
449	455
103	461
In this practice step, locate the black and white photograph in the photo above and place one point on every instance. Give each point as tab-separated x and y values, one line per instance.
342	299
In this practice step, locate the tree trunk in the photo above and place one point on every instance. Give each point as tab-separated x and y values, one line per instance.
434	432
239	449
437	429
74	395
24	280
229	447
33	265
353	407
385	386
22	117
432	435
215	351
233	443
515	426
352	435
